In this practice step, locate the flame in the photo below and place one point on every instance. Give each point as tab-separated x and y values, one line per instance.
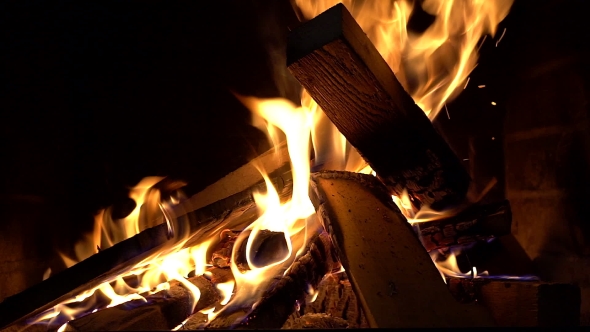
431	65
153	274
290	218
226	289
108	231
448	266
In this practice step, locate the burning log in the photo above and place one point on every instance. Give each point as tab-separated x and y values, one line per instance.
393	277
336	298
267	247
280	300
344	73
274	161
234	212
521	303
163	311
475	223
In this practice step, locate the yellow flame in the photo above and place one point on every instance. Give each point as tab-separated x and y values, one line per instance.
153	273
448	267
289	218
227	290
433	64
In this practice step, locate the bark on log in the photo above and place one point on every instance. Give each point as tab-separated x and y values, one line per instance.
281	299
234	212
163	310
345	74
522	303
392	275
475	223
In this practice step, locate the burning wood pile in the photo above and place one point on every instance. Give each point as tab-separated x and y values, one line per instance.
295	249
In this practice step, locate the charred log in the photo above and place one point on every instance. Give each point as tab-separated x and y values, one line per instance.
280	300
344	73
521	303
475	223
234	212
393	277
336	298
267	247
161	311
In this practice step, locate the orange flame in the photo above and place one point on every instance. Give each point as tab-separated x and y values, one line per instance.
153	273
448	266
433	66
290	218
430	65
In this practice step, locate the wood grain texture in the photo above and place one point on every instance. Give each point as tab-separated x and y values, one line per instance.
522	303
344	73
393	277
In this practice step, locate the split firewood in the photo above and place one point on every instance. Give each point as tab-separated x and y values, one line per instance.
521	303
391	274
163	310
344	73
281	299
474	224
234	212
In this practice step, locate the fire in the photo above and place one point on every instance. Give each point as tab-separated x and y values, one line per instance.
290	218
448	266
433	66
154	273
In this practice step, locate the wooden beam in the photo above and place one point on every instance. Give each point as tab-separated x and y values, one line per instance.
393	277
475	223
522	303
344	73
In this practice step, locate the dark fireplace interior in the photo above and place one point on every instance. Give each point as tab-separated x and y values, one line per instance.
96	96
